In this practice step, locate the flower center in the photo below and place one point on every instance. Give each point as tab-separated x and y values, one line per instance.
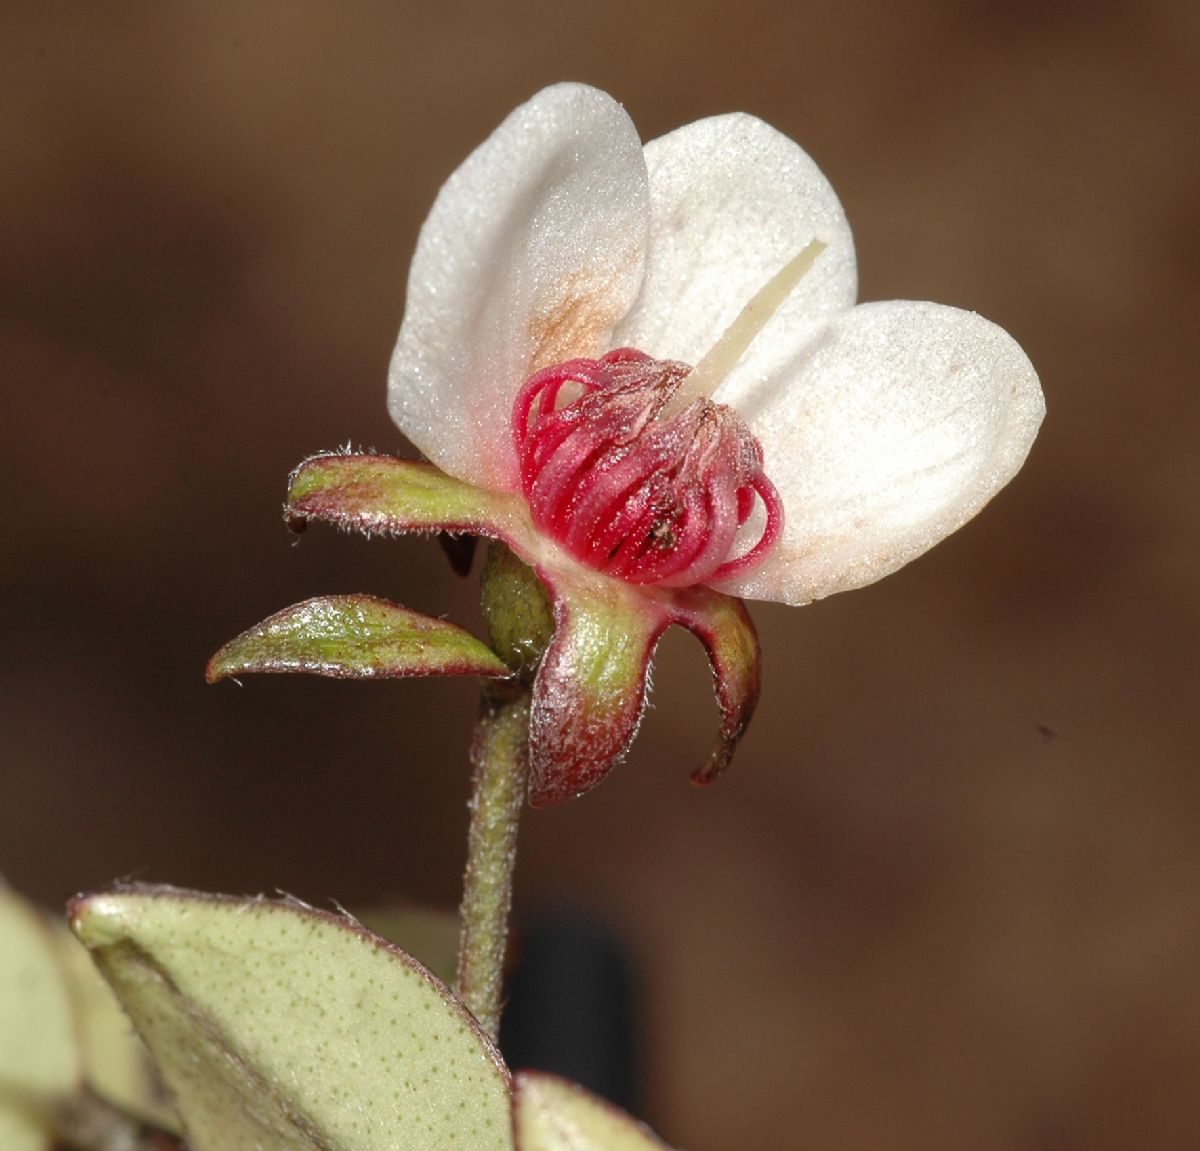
642	496
629	466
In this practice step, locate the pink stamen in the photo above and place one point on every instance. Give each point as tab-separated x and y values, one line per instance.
648	497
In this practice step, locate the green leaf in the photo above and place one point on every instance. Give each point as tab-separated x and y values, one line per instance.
355	637
22	1130
116	1064
551	1114
280	1028
381	494
430	937
39	1053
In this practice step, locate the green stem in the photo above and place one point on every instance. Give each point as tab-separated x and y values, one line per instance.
500	762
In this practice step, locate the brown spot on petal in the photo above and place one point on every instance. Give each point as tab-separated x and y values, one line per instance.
578	322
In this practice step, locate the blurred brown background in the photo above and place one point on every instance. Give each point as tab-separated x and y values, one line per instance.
949	896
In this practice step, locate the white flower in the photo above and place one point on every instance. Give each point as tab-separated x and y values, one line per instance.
643	370
883	426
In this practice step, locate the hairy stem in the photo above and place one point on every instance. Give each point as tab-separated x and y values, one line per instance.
500	763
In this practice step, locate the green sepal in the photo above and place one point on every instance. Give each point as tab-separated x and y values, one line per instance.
383	495
516	609
590	690
354	637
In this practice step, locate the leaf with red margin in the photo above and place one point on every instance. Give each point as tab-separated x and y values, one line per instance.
383	495
590	690
355	637
552	1114
281	1028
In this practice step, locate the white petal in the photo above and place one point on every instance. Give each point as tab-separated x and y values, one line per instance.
888	431
533	250
732	201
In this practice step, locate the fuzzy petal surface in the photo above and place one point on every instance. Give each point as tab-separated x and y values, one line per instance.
885	432
731	202
532	252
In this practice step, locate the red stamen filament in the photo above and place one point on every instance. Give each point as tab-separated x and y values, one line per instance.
646	496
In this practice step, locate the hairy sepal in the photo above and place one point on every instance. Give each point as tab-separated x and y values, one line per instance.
382	495
590	691
281	1028
723	625
354	637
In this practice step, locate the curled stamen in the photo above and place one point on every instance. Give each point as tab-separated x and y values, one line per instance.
765	490
645	497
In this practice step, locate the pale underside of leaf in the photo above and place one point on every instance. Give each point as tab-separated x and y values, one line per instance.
552	1114
281	1028
21	1129
116	1064
39	1051
428	935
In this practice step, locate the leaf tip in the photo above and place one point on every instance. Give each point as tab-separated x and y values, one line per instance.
97	919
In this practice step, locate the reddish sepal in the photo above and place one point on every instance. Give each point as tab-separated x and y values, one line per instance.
382	495
590	691
723	625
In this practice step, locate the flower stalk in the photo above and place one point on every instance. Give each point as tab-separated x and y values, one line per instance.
500	763
519	622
